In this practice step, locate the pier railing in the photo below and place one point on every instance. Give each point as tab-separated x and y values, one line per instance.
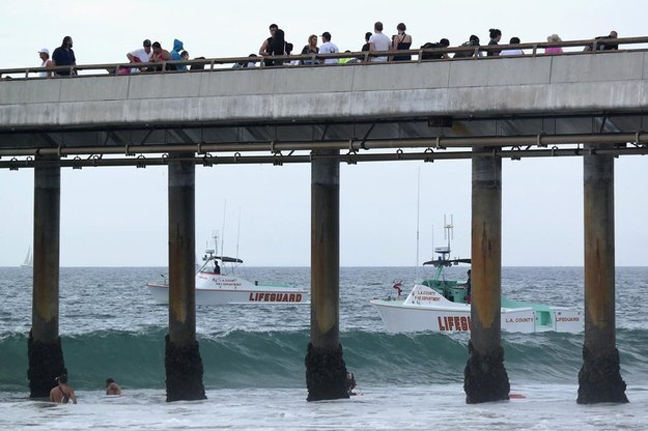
581	47
143	147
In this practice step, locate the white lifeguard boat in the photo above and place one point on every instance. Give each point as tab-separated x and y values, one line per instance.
441	305
217	284
427	309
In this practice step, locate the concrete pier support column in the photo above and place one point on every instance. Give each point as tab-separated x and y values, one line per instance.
325	367
44	345
600	379
485	377
184	369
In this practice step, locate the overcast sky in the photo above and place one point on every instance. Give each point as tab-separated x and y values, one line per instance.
118	216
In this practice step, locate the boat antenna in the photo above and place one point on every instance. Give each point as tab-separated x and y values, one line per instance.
215	236
238	234
222	248
418	220
432	240
448	230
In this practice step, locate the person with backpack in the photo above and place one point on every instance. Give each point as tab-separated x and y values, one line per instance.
473	42
443	43
607	46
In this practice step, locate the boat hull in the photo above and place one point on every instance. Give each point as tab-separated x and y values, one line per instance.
216	289
426	310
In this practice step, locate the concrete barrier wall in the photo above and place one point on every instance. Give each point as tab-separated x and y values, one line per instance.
484	87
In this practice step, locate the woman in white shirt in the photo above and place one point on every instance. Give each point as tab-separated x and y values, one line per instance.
46	62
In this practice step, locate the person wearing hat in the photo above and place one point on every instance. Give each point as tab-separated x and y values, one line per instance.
46	62
62	393
140	55
328	47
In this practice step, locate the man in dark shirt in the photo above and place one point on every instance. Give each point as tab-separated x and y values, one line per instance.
607	46
64	56
267	44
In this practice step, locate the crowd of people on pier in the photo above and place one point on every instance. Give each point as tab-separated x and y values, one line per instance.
380	47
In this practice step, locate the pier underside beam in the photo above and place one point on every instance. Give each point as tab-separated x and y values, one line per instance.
44	345
485	377
600	379
325	367
184	369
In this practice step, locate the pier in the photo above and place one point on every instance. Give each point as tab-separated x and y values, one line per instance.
580	104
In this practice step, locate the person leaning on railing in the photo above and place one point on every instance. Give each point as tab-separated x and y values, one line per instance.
608	46
158	55
554	38
473	41
309	49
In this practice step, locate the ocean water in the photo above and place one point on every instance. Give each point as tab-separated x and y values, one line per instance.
254	359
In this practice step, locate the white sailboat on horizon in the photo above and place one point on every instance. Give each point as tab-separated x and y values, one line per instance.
29	260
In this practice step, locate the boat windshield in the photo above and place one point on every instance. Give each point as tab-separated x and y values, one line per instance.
213	263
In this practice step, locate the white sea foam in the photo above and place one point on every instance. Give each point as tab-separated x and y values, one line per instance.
437	407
